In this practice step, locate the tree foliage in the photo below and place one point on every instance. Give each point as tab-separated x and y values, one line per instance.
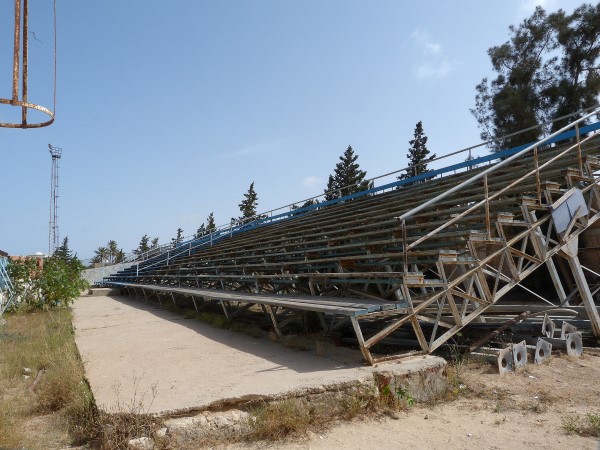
100	255
547	69
248	205
211	226
347	177
115	254
417	156
108	254
62	251
201	231
143	246
178	237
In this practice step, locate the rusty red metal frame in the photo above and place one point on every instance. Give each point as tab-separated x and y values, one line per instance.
20	71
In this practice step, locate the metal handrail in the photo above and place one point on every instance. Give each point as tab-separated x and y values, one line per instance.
186	248
192	242
484	174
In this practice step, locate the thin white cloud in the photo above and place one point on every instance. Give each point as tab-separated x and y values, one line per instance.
423	39
431	60
191	218
249	150
311	181
254	149
528	6
436	69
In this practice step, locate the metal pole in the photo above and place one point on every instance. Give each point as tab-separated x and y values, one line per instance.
487	208
404	246
580	159
16	51
537	176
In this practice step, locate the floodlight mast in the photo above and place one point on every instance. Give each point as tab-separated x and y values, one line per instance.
53	236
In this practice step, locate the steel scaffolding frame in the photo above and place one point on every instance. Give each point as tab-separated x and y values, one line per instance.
443	261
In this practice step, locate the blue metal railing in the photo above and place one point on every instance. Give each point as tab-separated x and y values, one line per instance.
192	245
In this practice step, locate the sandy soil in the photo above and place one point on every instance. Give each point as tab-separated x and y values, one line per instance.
131	349
516	411
519	410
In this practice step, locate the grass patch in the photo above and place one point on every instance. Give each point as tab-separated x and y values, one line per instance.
40	345
286	418
40	374
588	425
289	418
297	416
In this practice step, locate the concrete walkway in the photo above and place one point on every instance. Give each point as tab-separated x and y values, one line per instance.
139	354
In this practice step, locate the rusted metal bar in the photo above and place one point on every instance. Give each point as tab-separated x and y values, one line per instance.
273	320
361	341
471	272
404	246
16	52
485	339
25	58
398	356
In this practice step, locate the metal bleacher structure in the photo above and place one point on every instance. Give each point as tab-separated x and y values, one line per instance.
423	257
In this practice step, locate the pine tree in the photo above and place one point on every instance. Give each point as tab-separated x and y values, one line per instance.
347	178
143	245
248	205
211	227
417	155
201	231
548	68
154	243
178	238
63	252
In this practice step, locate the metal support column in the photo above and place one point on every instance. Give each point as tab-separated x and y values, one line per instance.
569	250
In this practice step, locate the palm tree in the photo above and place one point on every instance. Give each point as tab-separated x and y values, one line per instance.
113	251
100	255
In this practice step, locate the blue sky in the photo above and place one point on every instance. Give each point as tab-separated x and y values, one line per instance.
168	110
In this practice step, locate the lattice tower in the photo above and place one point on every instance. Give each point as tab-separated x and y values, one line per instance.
53	237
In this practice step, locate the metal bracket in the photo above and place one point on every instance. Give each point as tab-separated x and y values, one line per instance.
574	344
519	353
548	327
566	329
543	351
505	361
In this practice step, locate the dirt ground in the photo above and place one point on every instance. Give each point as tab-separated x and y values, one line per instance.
135	352
526	409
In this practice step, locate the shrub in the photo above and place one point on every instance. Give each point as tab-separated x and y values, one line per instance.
57	284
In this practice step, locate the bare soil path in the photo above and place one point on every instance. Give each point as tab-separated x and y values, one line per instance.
129	348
